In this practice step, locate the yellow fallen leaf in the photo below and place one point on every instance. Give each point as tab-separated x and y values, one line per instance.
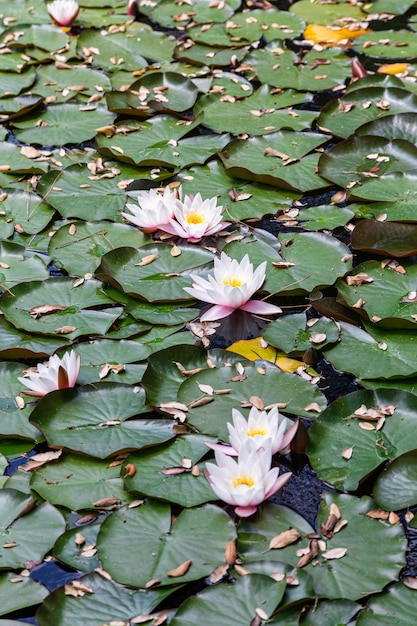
254	349
393	68
326	36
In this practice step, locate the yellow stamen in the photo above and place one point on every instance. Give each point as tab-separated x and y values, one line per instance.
249	481
195	218
233	282
252	432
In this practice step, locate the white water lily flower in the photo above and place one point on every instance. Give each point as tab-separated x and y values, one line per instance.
259	427
63	12
247	481
55	374
196	218
230	288
154	210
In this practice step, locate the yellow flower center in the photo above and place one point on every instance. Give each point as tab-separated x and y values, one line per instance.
195	218
249	481
233	281
252	432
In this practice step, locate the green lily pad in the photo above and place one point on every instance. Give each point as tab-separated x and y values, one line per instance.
266	381
78	482
152	476
17	344
340	576
81	556
374	352
343	116
161	280
68	83
19	266
165	313
365	157
155	45
257	114
294	334
269	24
320	70
164	91
103	353
39	36
26	210
395	487
82	251
77	318
301	266
14	421
167	12
326	217
13	161
318	13
107	601
387	44
330	612
74	192
338	429
110	53
384	293
15	597
200	54
26	536
241	199
264	159
14	84
397	603
234	604
98	420
395	187
160	545
399	126
62	124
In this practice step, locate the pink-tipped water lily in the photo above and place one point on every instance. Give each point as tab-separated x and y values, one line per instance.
260	427
154	210
63	12
55	374
230	288
246	482
196	218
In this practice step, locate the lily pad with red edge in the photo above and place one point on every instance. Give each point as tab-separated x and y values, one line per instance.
394	239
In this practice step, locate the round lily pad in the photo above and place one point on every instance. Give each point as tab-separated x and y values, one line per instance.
347	442
293	334
397	603
15	597
161	546
395	487
26	536
98	420
158	472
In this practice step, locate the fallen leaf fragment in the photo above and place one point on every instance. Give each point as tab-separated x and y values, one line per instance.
37	460
230	553
179	571
106	502
284	539
347	453
334	553
45	309
218	573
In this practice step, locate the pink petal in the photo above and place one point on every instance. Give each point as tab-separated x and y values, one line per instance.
289	436
245	511
222	448
217	312
260	307
278	484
